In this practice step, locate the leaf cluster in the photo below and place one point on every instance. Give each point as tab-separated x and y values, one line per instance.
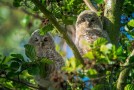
16	71
103	63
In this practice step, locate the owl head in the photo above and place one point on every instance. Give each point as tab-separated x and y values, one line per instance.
88	19
41	41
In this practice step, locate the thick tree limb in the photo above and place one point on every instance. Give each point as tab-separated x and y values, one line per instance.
90	5
112	13
60	29
121	83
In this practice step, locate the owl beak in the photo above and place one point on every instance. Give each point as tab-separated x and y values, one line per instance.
41	43
88	22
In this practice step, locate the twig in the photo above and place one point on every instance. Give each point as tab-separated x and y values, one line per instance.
132	53
90	5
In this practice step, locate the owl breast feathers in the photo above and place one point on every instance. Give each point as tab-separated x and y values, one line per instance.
45	47
88	29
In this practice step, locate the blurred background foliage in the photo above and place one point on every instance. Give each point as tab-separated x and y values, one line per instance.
16	25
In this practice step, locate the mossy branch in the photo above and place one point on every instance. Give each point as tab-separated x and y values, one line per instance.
121	83
60	29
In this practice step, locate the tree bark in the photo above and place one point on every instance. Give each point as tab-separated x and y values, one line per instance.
111	21
121	82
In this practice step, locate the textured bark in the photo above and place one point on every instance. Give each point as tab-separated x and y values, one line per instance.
121	83
112	13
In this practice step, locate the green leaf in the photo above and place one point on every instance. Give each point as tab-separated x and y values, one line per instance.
104	49
119	50
16	60
3	66
99	1
89	55
30	52
46	29
68	69
129	87
34	70
73	63
14	66
3	60
67	63
131	60
46	60
103	59
19	56
99	42
68	20
92	73
131	23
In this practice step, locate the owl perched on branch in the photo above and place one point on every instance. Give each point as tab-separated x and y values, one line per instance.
45	47
88	29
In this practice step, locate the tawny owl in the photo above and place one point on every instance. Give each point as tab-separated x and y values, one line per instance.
45	47
88	29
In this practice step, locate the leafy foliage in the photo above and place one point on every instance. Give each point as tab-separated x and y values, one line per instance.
16	71
103	63
128	5
30	52
103	59
129	87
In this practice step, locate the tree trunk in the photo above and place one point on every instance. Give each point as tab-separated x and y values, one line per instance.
112	13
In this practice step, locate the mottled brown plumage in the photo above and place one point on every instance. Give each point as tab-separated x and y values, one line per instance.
88	29
45	47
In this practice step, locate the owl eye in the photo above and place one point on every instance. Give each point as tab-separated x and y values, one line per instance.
92	20
36	39
45	39
82	19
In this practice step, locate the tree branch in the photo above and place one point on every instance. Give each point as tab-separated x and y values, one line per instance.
60	29
121	83
90	5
